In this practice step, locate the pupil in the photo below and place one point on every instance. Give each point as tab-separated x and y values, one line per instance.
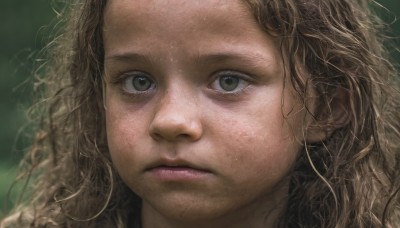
229	83
141	83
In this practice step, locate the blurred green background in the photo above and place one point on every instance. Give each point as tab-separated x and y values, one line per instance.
26	27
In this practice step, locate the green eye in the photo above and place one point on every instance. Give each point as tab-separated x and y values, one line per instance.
141	83
229	83
137	84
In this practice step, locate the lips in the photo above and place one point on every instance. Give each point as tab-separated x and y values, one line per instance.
177	170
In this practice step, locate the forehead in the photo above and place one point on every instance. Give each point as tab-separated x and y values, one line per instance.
177	20
169	13
180	6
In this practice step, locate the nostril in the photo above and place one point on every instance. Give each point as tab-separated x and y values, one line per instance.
174	129
155	136
170	134
175	121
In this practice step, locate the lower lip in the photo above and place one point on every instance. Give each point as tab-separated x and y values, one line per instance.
168	173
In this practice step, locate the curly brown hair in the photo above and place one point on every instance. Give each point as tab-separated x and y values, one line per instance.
350	179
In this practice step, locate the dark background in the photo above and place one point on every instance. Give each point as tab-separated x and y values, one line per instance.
25	27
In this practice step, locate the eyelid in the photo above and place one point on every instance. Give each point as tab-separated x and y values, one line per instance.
243	77
120	76
120	80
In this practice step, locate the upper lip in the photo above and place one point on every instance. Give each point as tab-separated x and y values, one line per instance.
165	162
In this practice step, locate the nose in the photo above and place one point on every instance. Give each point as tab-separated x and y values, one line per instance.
176	118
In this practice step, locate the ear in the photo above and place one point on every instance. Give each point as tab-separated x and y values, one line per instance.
331	114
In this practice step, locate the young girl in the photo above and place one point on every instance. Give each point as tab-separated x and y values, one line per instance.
216	113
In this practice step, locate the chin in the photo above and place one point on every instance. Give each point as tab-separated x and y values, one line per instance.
187	209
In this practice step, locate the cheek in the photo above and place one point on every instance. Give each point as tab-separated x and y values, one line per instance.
124	125
119	130
118	139
122	135
126	153
257	149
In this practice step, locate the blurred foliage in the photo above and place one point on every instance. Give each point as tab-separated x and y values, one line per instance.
25	29
23	33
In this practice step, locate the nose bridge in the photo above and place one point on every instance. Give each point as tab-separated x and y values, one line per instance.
176	115
178	92
177	103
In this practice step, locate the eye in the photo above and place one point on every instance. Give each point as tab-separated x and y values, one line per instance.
230	82
137	83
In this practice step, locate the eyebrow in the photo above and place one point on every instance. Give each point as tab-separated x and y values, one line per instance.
128	57
221	57
209	58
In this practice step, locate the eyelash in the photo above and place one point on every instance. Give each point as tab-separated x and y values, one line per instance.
122	78
244	80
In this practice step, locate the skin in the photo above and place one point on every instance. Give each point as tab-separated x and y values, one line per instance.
242	142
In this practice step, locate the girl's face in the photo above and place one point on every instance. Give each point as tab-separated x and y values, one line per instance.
201	123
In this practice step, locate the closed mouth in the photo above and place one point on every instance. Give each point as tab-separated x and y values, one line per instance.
175	164
178	168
